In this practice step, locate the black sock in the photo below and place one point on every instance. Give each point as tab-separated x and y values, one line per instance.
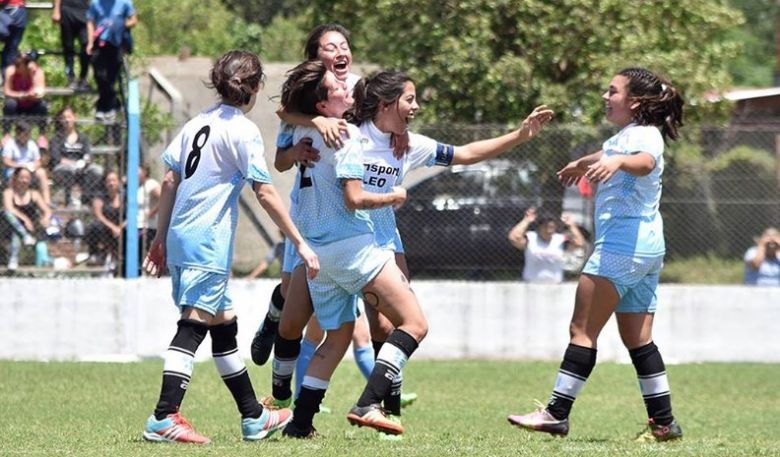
653	383
285	355
306	406
177	368
377	346
232	369
392	401
577	364
276	305
392	358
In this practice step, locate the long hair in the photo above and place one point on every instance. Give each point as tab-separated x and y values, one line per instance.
370	93
660	103
236	76
313	40
304	88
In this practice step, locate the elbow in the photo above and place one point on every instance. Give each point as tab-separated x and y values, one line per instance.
353	202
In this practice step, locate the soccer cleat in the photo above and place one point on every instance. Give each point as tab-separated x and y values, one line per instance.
541	421
272	403
293	431
657	432
373	416
263	342
388	437
407	399
172	429
265	425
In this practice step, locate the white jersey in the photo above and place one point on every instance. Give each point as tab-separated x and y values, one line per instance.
543	260
214	154
627	217
145	202
383	171
352	80
321	213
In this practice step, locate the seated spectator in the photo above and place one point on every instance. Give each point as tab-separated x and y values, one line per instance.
21	152
27	214
13	21
544	248
70	160
24	88
762	261
104	234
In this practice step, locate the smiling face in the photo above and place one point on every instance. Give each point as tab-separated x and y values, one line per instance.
619	104
334	52
339	98
394	116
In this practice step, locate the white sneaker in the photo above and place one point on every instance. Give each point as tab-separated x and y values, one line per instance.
13	263
29	240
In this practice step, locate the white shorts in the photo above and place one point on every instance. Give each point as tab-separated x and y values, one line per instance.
346	266
201	289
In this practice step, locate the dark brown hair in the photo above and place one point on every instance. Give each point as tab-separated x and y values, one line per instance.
369	93
304	88
313	40
236	76
660	103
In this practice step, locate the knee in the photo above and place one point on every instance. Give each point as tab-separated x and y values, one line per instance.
289	330
418	329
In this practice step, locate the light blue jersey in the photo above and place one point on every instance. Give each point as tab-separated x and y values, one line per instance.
627	218
383	171
322	215
214	154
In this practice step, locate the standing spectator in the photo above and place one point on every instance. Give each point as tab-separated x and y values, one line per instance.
544	248
71	15
149	191
762	261
13	21
22	152
28	215
24	88
108	25
70	159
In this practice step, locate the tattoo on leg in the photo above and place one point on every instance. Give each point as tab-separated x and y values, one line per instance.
371	299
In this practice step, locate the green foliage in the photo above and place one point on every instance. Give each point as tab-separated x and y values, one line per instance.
709	269
461	411
265	11
502	57
755	64
283	39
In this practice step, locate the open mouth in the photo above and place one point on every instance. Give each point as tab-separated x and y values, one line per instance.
341	65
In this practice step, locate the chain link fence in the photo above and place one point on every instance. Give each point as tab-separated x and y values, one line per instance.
63	197
720	192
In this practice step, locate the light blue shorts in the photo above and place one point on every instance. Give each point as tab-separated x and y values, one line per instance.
346	266
291	259
204	290
635	278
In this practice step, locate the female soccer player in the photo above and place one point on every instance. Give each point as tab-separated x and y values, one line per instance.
208	162
384	105
621	276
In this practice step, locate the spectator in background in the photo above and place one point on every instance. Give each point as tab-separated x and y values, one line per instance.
275	254
544	248
28	215
24	88
104	234
148	204
22	152
70	160
71	15
13	21
762	261
108	34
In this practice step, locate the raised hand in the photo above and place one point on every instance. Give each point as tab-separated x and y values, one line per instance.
571	173
332	130
533	124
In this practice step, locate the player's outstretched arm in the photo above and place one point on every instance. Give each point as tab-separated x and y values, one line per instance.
490	148
269	199
355	197
154	262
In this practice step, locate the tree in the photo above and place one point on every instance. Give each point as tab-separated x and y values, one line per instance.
493	60
265	11
755	66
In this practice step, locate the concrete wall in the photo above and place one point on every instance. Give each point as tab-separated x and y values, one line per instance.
125	320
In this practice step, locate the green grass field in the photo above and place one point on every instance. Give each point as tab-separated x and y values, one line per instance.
85	409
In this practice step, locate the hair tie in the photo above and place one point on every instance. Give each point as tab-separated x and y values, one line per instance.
664	87
236	80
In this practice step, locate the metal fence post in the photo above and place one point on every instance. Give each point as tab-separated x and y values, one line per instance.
133	162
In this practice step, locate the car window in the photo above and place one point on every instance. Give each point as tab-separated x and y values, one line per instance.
513	181
463	184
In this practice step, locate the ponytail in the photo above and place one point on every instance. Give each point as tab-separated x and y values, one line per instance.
660	103
369	94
